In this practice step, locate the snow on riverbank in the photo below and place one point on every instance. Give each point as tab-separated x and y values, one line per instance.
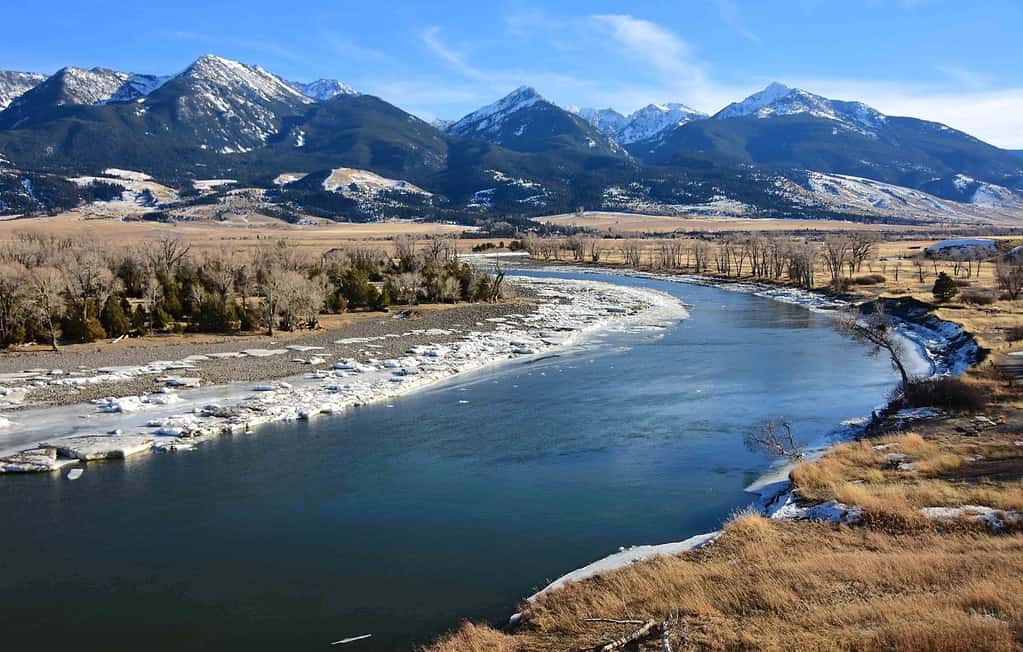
570	311
942	348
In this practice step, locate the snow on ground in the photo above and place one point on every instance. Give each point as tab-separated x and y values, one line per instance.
360	182
572	311
204	185
859	195
626	557
995	519
285	178
985	245
944	348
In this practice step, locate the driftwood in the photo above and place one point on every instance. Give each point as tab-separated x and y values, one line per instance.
352	639
648	629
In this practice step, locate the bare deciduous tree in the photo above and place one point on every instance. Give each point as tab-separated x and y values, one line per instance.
875	327
774	437
1009	274
47	285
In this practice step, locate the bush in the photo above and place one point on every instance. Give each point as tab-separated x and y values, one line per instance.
946	393
869	279
944	287
977	297
1014	334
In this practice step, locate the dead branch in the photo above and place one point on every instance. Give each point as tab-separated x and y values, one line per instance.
648	629
775	438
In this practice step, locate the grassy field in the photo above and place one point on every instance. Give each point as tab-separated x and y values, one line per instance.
233	234
637	223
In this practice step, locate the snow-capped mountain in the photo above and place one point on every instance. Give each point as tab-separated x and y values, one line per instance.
639	125
227	106
754	102
655	118
608	121
80	86
137	86
778	99
73	86
491	119
782	150
323	89
13	84
524	121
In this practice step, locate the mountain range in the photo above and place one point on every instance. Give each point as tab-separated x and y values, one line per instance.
779	152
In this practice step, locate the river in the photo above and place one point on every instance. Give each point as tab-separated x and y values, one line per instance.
399	519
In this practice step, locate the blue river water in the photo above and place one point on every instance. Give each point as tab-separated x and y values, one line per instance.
399	520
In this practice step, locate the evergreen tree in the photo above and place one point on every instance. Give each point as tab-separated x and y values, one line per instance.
944	287
113	319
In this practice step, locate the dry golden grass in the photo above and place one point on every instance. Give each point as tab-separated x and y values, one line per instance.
471	637
858	473
213	235
769	585
638	223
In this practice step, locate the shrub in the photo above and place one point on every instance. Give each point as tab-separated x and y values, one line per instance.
946	393
1014	334
869	279
113	318
977	297
944	287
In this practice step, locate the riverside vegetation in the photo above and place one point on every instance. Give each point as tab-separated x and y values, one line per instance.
61	290
934	552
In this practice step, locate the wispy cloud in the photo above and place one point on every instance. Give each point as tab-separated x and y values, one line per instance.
344	46
652	44
731	14
457	61
970	79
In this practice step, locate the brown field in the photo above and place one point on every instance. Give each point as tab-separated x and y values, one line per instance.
770	585
235	234
635	223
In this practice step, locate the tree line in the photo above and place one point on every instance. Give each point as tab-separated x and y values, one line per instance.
59	290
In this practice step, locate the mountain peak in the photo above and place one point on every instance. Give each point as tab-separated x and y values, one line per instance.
14	83
323	89
755	102
490	117
780	100
241	78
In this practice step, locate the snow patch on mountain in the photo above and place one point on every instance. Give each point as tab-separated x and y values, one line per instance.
641	124
232	107
93	86
323	89
491	118
778	99
136	87
13	84
655	118
352	181
608	121
981	193
857	195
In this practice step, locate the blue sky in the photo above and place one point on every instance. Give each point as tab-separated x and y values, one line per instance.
956	62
